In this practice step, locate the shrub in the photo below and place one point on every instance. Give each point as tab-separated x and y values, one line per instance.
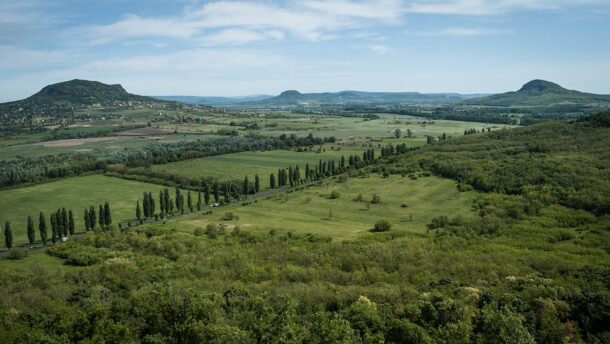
376	199
229	216
334	194
17	253
381	226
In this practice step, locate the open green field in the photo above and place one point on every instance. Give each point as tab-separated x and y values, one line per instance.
311	210
72	193
263	163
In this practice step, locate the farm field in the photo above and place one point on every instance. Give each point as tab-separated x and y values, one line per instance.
237	165
311	210
72	193
106	143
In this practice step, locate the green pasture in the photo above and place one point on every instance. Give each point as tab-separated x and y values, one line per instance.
263	163
406	203
72	193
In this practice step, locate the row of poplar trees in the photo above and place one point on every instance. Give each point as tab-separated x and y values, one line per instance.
62	225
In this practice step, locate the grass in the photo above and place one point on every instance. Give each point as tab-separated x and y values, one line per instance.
72	193
263	163
312	210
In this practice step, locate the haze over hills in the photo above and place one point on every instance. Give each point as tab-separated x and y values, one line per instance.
540	93
203	100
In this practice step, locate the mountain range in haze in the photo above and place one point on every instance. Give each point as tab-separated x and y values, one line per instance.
79	93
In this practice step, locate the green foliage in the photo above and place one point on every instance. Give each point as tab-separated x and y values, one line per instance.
382	226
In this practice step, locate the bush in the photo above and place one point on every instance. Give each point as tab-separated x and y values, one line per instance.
381	226
376	199
229	216
334	194
17	253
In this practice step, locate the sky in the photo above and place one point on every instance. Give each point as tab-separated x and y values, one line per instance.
231	48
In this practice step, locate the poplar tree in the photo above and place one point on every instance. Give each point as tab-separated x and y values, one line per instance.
199	200
138	212
161	203
167	201
151	204
257	183
71	222
189	201
31	231
64	222
107	215
101	216
42	228
226	193
272	181
216	192
86	219
206	192
246	186
92	217
54	227
8	235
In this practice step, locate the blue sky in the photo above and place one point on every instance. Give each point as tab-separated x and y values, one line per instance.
225	48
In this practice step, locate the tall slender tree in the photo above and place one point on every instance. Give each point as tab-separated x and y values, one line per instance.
216	192
272	181
54	235
107	214
64	222
71	225
189	201
199	201
31	231
92	217
206	193
167	201
42	228
161	203
257	183
138	212
226	193
86	219
100	217
8	235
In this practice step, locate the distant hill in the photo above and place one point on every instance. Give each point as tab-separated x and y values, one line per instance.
540	93
68	95
220	101
293	97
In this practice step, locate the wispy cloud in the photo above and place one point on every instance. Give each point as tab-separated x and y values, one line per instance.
249	21
462	32
488	7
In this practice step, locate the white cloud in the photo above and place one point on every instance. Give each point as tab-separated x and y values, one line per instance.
240	22
488	7
379	49
462	32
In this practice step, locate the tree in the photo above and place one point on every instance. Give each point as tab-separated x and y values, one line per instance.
64	222
226	193
86	219
42	228
92	217
216	192
272	181
71	225
167	201
206	193
8	235
31	231
151	204
257	183
161	202
246	186
138	212
189	200
198	200
101	216
397	133
54	235
107	215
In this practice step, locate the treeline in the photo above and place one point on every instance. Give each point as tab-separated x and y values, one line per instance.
65	134
32	170
62	225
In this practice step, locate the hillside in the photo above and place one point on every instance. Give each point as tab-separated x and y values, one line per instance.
540	93
68	95
293	97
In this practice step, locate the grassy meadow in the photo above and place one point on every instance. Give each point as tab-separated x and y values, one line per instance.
263	163
408	204
72	193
